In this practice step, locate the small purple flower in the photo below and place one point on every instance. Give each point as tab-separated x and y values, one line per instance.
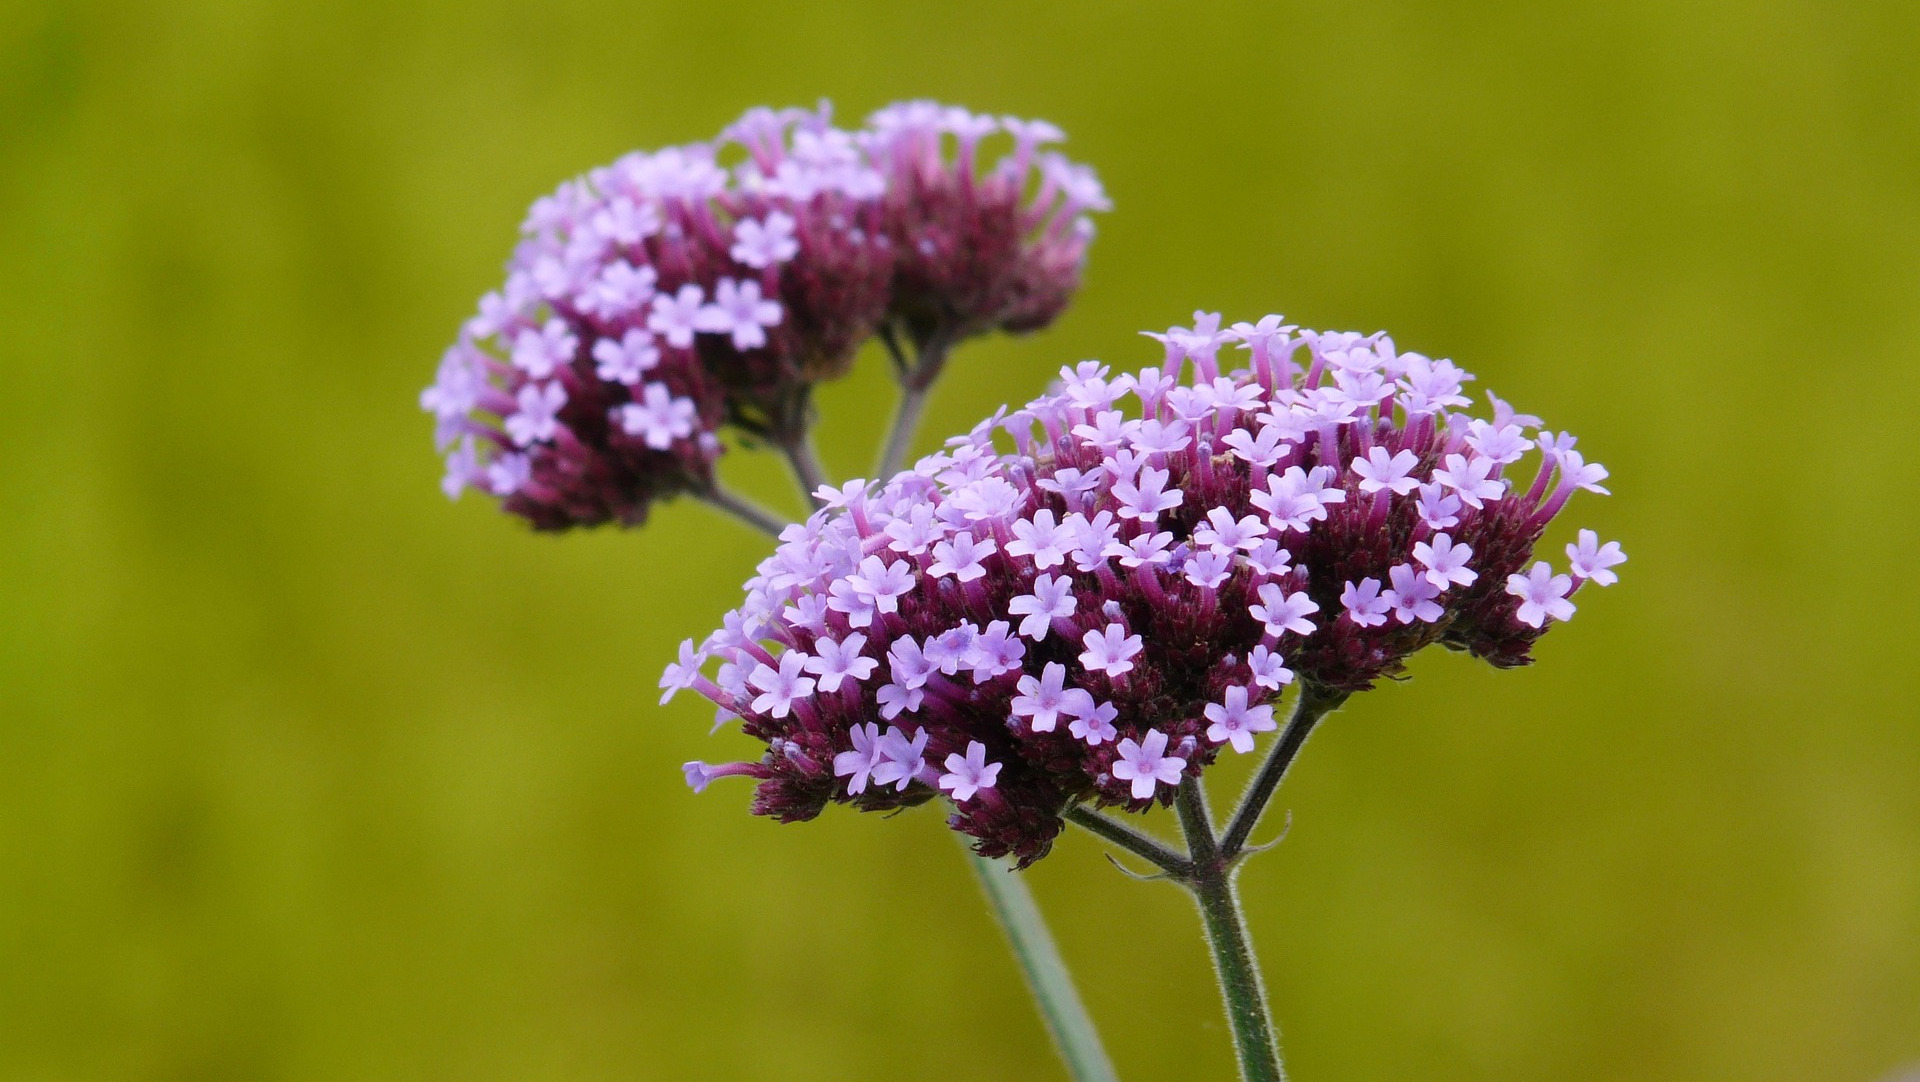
1147	498
538	416
960	557
463	469
1296	499
1110	650
675	317
1209	569
1437	508
457	386
1147	765
625	361
968	774
1446	562
1041	540
1380	471
1234	722
739	311
995	651
1041	700
779	687
1268	669
507	474
1281	612
1542	594
835	662
1411	595
1092	719
1591	560
1052	599
539	352
900	758
761	244
881	583
1364	604
1470	479
620	290
857	765
1225	535
658	418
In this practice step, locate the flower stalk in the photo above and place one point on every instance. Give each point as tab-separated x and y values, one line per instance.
805	463
1208	870
1210	877
917	376
1065	1015
1313	704
741	509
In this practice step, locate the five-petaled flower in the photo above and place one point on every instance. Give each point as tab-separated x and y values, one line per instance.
1146	764
1236	723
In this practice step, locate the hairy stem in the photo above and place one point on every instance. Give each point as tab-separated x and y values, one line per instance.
806	465
1255	1043
916	382
1125	837
1312	705
742	509
906	421
1047	977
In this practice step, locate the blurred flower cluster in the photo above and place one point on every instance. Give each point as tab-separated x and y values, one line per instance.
671	295
1089	598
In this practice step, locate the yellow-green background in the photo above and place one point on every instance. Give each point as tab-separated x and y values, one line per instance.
306	774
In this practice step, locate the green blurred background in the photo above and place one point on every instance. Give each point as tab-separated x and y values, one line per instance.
307	774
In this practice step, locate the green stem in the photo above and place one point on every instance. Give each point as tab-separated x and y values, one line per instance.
1313	704
1255	1043
805	463
1126	837
743	509
1033	947
906	420
916	382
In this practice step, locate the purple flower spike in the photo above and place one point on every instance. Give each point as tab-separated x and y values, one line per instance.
1108	604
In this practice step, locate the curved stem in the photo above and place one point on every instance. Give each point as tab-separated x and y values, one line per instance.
806	466
1312	705
1255	1043
742	509
906	421
1133	841
916	381
1033	947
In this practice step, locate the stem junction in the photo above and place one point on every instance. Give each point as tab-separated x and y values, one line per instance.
1208	869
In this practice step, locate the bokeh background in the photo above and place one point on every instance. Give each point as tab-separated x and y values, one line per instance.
307	774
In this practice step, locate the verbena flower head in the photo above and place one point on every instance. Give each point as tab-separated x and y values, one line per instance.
653	299
656	299
979	247
1100	606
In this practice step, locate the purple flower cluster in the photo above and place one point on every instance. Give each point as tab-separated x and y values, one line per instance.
1094	609
654	300
977	249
